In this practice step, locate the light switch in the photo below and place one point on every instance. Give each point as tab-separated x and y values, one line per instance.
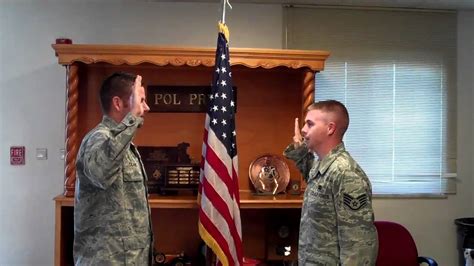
41	154
62	154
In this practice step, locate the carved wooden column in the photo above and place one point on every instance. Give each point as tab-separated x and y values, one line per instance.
72	141
308	92
308	99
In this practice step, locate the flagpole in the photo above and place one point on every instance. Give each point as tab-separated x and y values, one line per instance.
224	3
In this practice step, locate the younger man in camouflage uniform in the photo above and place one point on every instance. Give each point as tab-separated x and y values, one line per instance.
112	224
337	219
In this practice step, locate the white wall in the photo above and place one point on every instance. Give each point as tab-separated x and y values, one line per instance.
32	109
33	93
466	95
431	220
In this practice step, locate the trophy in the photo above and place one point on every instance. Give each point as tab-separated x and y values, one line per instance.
269	174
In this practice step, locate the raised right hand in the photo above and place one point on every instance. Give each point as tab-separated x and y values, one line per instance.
138	100
297	138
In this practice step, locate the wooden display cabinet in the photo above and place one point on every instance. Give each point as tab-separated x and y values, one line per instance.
273	87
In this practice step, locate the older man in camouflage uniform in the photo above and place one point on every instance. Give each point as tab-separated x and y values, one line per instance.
112	224
337	219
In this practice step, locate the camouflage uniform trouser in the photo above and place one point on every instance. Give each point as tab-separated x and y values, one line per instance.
136	257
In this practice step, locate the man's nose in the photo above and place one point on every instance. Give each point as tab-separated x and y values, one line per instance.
303	131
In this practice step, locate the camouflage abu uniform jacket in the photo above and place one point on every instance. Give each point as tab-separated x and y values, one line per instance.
337	219
112	222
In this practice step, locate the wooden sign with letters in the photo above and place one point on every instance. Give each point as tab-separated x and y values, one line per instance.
179	99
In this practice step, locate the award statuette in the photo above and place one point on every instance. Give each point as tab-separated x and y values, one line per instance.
269	174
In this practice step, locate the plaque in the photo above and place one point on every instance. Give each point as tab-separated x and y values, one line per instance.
169	169
269	174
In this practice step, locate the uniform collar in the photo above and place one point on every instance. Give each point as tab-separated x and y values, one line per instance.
330	157
109	122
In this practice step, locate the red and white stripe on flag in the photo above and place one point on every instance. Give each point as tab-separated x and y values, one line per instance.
219	212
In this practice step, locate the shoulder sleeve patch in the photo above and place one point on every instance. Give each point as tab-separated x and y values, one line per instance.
356	203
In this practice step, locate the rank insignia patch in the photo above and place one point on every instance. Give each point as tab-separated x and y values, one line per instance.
357	203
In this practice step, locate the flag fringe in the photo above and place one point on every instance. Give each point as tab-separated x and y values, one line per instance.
211	242
224	30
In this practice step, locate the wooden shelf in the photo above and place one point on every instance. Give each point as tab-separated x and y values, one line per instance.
248	200
289	85
189	56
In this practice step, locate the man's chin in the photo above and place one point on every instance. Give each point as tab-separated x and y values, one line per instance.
309	146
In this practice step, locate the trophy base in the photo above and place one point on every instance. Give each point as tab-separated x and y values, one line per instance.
258	193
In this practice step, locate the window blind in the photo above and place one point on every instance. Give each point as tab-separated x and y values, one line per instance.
395	72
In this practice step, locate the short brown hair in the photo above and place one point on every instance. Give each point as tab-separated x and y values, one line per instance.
336	107
118	84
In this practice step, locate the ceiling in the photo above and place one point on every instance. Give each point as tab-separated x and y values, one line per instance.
417	4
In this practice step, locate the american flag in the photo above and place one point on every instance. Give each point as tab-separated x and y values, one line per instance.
219	213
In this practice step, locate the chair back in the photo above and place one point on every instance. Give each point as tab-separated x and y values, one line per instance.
396	245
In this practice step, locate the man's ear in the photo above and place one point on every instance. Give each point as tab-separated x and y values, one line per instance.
331	128
117	103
